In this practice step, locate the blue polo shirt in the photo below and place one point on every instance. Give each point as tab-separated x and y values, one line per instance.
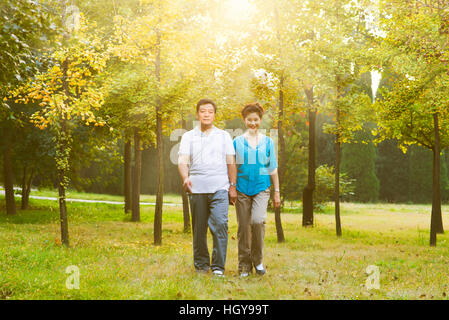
254	165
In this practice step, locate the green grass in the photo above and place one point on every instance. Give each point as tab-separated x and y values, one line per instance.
117	259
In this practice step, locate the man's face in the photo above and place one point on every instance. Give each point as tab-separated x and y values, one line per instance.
206	114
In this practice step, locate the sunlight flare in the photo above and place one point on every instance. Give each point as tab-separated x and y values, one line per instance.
239	9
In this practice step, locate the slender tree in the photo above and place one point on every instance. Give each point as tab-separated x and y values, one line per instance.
127	159
158	47
414	110
338	49
307	195
19	60
69	92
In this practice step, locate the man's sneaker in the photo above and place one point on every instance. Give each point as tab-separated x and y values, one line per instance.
244	275
218	273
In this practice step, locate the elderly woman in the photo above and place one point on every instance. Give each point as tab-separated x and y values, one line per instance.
256	169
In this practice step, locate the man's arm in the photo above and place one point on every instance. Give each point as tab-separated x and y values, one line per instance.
183	168
232	175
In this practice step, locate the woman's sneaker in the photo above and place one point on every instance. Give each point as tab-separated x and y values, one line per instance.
202	271
244	275
260	270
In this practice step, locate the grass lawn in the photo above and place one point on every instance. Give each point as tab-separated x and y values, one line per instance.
117	259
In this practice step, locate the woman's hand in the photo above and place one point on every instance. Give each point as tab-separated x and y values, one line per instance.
232	195
277	199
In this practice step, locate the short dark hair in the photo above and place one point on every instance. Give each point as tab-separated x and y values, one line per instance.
251	108
205	101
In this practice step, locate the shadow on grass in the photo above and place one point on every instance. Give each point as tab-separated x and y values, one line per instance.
47	212
326	209
35	214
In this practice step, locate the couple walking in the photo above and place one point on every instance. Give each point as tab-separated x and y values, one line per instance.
216	172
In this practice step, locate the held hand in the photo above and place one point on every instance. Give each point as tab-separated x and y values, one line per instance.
187	185
277	199
232	195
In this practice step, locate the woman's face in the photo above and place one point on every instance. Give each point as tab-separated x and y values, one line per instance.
252	121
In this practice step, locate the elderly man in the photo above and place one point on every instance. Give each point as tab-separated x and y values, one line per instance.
207	167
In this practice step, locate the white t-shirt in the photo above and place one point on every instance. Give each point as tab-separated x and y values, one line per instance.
208	169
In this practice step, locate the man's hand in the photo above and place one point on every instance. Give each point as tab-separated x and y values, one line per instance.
277	199
183	169
187	185
232	195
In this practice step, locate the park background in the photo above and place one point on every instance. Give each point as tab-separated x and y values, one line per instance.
93	91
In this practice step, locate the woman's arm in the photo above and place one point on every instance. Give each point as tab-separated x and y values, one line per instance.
272	169
277	194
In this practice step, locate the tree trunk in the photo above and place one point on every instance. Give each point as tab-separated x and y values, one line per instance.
29	184
185	198
337	184
26	187
63	208
62	167
128	172
8	173
436	222
24	179
307	195
160	182
337	163
137	177
63	162
63	140
160	150
281	153
186	210
281	161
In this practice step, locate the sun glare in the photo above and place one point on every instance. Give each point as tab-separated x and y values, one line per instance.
238	9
